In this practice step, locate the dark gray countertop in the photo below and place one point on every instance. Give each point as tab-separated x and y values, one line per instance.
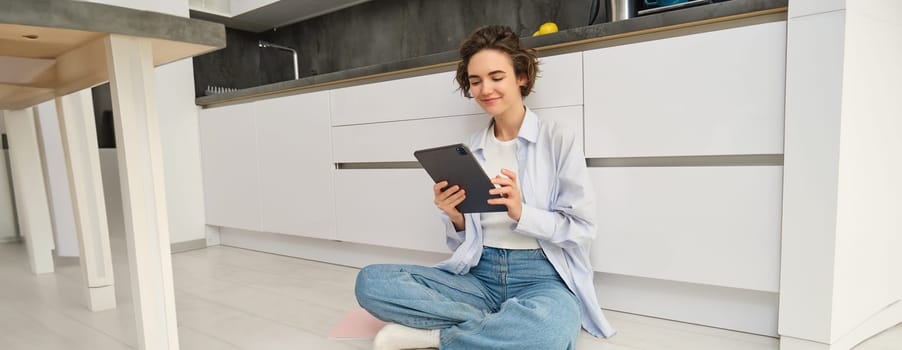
721	10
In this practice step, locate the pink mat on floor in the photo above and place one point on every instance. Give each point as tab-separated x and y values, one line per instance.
357	324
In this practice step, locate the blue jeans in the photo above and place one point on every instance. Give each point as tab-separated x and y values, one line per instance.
513	299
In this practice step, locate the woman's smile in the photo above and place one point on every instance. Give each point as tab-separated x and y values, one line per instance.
490	101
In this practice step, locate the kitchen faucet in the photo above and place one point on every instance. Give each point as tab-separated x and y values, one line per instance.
294	53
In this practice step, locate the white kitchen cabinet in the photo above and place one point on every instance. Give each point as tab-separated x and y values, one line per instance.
706	225
396	141
436	95
393	207
388	207
267	166
228	138
296	189
569	117
427	96
560	82
711	93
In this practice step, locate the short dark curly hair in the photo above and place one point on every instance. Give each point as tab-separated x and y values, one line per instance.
501	38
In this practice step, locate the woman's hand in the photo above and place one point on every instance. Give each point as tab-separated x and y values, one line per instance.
448	200
510	194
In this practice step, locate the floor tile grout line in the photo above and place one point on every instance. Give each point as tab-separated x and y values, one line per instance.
256	315
77	321
209	335
289	296
289	257
268	272
274	291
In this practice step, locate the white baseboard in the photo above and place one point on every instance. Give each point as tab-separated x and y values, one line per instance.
729	308
188	245
333	252
884	319
11	239
212	235
741	310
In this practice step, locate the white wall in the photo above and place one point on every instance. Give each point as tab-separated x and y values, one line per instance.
64	231
181	151
870	166
179	133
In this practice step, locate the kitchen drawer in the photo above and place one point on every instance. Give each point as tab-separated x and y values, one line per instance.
388	207
297	195
396	141
436	95
228	145
427	96
708	225
711	93
560	82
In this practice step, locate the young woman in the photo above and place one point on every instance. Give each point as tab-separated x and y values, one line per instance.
519	279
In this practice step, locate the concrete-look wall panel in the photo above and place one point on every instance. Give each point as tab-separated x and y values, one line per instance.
376	32
237	66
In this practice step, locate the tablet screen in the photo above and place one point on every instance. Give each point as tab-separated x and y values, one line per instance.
456	164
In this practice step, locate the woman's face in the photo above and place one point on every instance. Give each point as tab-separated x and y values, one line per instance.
493	82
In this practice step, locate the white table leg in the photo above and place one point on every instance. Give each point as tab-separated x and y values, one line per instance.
130	65
29	189
76	120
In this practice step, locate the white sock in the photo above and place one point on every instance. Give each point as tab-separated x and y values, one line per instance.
395	336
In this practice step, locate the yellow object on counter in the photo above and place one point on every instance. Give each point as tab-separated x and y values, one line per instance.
546	28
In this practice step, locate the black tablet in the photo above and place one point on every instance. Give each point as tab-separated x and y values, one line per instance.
455	164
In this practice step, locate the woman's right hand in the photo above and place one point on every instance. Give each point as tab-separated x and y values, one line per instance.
448	200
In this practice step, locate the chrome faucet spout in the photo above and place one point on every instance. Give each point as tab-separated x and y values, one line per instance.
294	53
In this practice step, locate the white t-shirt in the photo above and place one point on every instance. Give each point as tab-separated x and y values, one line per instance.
498	228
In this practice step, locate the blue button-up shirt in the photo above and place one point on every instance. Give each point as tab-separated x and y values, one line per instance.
558	210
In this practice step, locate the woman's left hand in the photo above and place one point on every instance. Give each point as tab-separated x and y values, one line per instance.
510	194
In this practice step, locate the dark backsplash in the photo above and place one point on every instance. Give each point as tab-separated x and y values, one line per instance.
375	32
235	66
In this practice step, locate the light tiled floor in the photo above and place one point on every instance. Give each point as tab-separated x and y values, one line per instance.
229	298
